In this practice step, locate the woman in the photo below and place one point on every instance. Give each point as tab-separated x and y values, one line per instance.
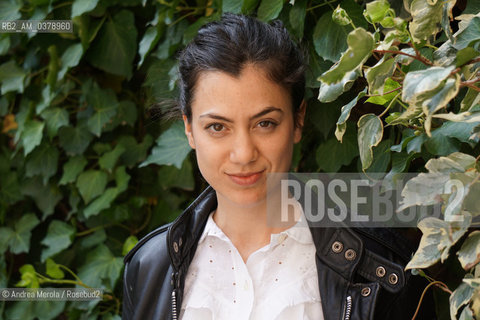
241	97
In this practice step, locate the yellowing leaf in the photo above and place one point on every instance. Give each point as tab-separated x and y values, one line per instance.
9	123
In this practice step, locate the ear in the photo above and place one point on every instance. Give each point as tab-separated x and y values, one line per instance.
188	131
299	121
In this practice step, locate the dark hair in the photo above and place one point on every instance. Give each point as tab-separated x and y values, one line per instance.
232	42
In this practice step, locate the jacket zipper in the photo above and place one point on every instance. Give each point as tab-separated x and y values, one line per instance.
348	309
174	296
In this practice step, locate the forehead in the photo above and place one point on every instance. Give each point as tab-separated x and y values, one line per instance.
245	94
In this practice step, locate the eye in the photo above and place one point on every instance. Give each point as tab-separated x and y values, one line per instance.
266	124
215	127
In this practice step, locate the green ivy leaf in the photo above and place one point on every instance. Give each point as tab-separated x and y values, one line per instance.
370	133
344	152
376	11
29	277
70	58
378	74
9	188
437	239
91	184
170	176
171	149
45	197
72	168
11	77
74	140
233	6
42	161
32	310
360	46
53	270
18	239
469	253
149	40
94	239
129	244
297	17
59	237
109	159
80	7
384	99
105	104
342	120
32	135
427	17
115	48
330	92
10	10
55	118
269	9
329	38
460	297
417	84
136	151
101	203
100	265
470	36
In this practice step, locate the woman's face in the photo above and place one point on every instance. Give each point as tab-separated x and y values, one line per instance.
242	128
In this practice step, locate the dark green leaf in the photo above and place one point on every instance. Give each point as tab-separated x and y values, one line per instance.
149	40
10	10
74	140
42	161
170	176
101	265
80	7
9	188
11	77
94	239
297	17
46	197
70	58
101	203
136	151
233	6
332	154
32	135
342	120
329	38
91	184
269	9
108	160
59	237
171	149
116	46
55	118
105	104
20	241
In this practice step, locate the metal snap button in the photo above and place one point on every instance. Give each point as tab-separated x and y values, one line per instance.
366	291
337	247
175	247
380	272
350	254
393	278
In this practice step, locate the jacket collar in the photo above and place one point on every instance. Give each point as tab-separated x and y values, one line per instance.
185	232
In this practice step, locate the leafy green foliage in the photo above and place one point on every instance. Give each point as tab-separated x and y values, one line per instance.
86	173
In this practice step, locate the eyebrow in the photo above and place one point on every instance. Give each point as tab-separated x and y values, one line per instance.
265	111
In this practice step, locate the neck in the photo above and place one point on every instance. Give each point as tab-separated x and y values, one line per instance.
250	227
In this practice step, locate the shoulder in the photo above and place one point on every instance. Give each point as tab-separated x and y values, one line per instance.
153	244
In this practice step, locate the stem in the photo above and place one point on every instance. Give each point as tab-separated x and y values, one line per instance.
145	223
69	271
88	231
389	105
322	4
439	284
377	95
418	57
62	5
182	17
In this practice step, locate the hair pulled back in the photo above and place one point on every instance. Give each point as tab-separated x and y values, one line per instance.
232	42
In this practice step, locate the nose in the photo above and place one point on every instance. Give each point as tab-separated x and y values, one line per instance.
243	150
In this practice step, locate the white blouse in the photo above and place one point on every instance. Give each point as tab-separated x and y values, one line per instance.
279	281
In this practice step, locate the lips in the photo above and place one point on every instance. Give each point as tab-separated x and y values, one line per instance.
245	179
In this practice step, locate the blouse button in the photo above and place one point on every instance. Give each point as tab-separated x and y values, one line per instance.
175	247
337	247
350	254
380	271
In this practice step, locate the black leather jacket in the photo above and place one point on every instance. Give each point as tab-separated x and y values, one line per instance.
360	271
